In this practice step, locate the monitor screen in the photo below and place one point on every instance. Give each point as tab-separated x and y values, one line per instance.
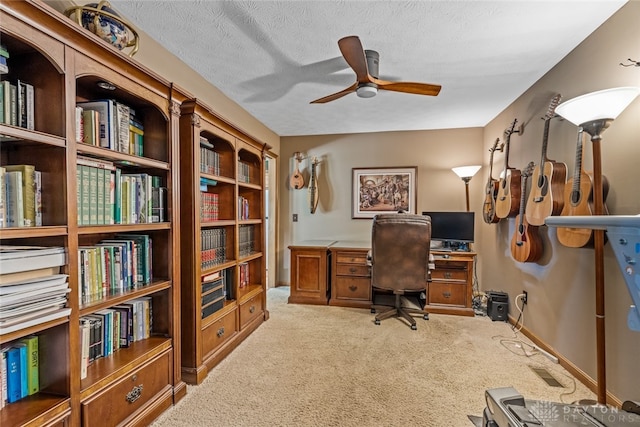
452	226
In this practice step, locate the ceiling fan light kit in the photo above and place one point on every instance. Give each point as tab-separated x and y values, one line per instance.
365	64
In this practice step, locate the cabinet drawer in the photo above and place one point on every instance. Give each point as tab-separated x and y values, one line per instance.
449	274
352	270
112	405
451	265
447	293
352	288
217	333
351	258
250	309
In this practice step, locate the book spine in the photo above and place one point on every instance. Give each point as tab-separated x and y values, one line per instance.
15	207
3	377
33	364
38	198
93	196
30	99
13	375
28	192
3	196
24	369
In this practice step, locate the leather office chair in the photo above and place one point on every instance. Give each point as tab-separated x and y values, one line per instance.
399	261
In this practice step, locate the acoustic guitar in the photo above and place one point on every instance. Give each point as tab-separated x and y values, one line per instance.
547	182
526	243
578	201
313	186
297	180
491	190
508	198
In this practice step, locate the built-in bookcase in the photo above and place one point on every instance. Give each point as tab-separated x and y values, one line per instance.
67	65
221	174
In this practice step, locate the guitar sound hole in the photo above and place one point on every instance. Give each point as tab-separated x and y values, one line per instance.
575	197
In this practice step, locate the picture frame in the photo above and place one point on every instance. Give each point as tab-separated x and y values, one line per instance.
383	190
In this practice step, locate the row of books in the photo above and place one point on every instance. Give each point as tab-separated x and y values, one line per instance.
107	331
20	196
209	207
244	172
209	159
114	266
213	292
17	103
246	237
214	244
31	289
19	370
106	195
109	124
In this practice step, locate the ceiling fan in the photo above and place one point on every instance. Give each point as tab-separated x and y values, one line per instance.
365	65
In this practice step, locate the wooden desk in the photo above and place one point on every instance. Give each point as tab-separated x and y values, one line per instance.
350	274
336	273
310	272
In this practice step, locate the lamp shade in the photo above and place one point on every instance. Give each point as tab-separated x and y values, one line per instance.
466	171
603	104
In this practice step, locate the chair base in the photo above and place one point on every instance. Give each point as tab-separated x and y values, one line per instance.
398	311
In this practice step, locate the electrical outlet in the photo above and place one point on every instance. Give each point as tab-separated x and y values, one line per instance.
525	297
295	217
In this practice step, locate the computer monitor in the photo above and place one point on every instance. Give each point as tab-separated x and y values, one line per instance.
454	229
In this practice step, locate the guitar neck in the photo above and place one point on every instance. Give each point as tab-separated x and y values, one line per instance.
578	168
545	142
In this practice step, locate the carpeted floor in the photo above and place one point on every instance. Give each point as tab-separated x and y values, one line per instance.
331	366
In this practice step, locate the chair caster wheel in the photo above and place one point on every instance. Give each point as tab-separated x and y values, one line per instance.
425	317
414	328
377	322
373	310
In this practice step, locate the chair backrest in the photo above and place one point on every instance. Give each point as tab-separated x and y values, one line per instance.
400	251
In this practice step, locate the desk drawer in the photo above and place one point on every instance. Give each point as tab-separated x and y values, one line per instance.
447	293
353	288
449	274
351	258
250	309
217	333
112	405
352	270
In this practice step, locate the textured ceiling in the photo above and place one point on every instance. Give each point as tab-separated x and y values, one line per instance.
274	57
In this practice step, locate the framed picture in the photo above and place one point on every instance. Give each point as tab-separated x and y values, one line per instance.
383	190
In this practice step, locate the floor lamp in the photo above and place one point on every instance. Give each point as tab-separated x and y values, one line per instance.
466	173
593	114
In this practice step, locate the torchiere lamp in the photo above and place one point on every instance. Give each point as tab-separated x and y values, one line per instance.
466	173
593	113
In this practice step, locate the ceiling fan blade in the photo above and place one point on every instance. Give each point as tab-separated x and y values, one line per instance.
408	87
353	53
336	95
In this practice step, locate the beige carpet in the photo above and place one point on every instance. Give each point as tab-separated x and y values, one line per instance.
331	366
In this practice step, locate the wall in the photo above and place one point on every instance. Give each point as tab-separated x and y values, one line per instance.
434	153
561	309
561	289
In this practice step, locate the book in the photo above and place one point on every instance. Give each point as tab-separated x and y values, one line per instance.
3	195
24	385
15	259
23	276
85	341
33	364
28	173
122	127
38	198
3	377
13	375
15	206
90	127
6	107
13	105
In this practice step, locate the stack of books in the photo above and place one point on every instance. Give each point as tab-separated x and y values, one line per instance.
31	289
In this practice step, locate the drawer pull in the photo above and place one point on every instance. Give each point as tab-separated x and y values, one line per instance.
134	394
447	275
252	309
220	332
353	288
446	294
352	270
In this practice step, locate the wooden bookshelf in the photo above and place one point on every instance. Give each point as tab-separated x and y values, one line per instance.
64	63
230	167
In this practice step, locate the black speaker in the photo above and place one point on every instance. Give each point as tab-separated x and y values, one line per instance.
497	305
